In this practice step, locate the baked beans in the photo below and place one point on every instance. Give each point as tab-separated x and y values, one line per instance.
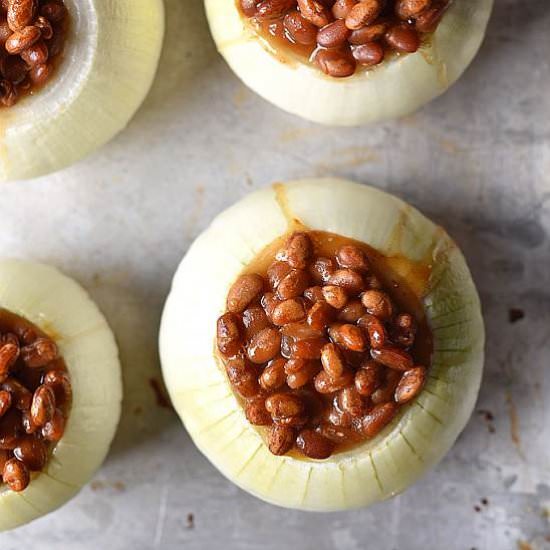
342	36
317	347
35	398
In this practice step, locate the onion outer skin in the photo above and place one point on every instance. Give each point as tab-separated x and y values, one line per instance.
424	430
62	309
109	63
391	90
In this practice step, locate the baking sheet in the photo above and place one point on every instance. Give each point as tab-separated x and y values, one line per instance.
476	160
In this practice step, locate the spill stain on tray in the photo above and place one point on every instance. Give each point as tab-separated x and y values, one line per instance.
347	157
162	398
514	424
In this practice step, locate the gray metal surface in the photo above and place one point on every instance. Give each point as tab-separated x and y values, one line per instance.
477	161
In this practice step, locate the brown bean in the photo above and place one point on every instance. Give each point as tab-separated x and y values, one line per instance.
303	376
53	11
254	320
39	74
392	357
284	405
377	303
273	376
293	284
32	452
404	331
248	7
337	434
293	366
291	421
341	8
14	69
21	396
242	376
276	272
16	475
368	378
403	38
352	312
307	349
37	54
29	427
375	329
9	352
409	9
46	29
57	42
348	336
410	384
55	428
298	250
338	63
60	382
280	439
273	9
363	13
300	29
5	402
4	457
256	413
325	384
369	54
228	334
352	257
301	331
370	33
10	429
335	296
21	13
378	418
245	289
314	12
5	32
349	400
265	345
339	418
43	405
314	445
40	353
347	279
23	39
320	315
268	302
314	294
289	311
332	361
430	19
247	385
386	390
333	35
321	269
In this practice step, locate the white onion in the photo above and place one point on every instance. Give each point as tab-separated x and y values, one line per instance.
110	60
423	432
393	89
62	309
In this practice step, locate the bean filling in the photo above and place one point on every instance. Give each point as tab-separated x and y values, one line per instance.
35	397
317	348
340	36
32	37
